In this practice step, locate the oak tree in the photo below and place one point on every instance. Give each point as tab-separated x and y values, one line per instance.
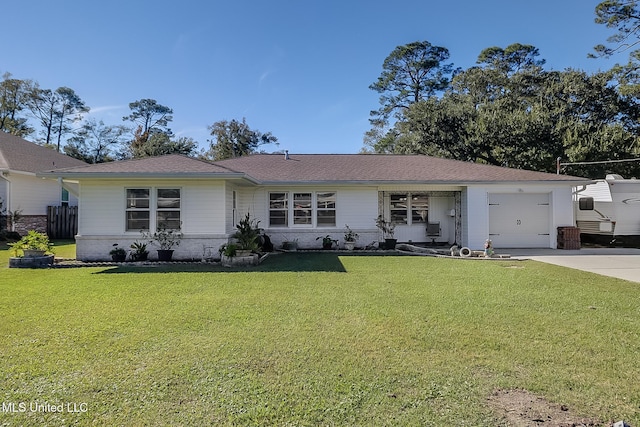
234	139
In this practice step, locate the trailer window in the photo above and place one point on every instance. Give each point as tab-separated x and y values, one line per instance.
585	203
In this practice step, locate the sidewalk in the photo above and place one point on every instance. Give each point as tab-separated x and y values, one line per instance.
623	263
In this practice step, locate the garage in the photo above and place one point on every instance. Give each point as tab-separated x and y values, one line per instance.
519	220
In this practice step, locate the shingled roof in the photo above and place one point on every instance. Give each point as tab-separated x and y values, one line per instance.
170	165
317	168
300	168
21	155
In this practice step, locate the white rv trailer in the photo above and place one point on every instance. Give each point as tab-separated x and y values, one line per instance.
608	211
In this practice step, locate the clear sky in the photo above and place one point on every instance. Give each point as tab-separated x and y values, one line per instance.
300	69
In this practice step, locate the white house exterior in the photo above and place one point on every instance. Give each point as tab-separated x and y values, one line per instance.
304	197
20	188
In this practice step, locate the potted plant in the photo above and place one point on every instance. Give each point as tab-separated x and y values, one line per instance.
118	254
350	238
388	230
327	241
228	250
165	239
138	251
247	235
34	244
290	245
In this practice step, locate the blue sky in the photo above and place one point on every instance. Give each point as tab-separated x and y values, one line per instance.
300	69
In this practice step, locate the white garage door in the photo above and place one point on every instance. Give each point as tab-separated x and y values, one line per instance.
519	220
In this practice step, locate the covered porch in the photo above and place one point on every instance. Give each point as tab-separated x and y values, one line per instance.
424	217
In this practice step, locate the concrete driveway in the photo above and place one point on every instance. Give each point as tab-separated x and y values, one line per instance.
623	263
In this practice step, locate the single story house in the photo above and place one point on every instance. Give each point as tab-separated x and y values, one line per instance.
305	196
20	188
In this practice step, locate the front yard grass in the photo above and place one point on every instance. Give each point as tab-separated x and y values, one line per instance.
314	339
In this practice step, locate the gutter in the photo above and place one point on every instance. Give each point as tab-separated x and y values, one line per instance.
146	175
451	183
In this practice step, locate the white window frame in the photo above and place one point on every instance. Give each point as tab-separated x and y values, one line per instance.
287	204
291	209
64	197
408	210
136	209
307	210
168	209
153	209
319	209
234	207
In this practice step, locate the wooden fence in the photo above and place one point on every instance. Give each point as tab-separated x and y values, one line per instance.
62	222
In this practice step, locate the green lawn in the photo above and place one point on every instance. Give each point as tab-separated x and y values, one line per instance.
314	339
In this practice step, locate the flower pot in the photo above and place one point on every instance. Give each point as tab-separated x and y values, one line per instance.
118	257
165	254
139	256
33	253
349	245
290	246
390	243
243	252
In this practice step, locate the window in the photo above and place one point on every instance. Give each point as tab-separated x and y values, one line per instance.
585	203
398	208
419	208
326	209
166	204
409	208
138	212
278	209
64	198
302	209
168	208
234	206
302	214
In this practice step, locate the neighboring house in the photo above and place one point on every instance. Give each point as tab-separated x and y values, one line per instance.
310	195
20	188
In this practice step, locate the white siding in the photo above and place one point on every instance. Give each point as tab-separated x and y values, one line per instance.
563	214
207	213
440	211
32	195
102	217
476	210
203	208
250	200
4	191
101	209
355	206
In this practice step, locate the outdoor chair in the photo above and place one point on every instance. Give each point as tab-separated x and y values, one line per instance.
433	231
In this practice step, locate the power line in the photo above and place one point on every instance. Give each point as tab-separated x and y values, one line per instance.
559	164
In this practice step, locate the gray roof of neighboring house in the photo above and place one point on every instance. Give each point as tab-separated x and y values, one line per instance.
317	168
21	155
